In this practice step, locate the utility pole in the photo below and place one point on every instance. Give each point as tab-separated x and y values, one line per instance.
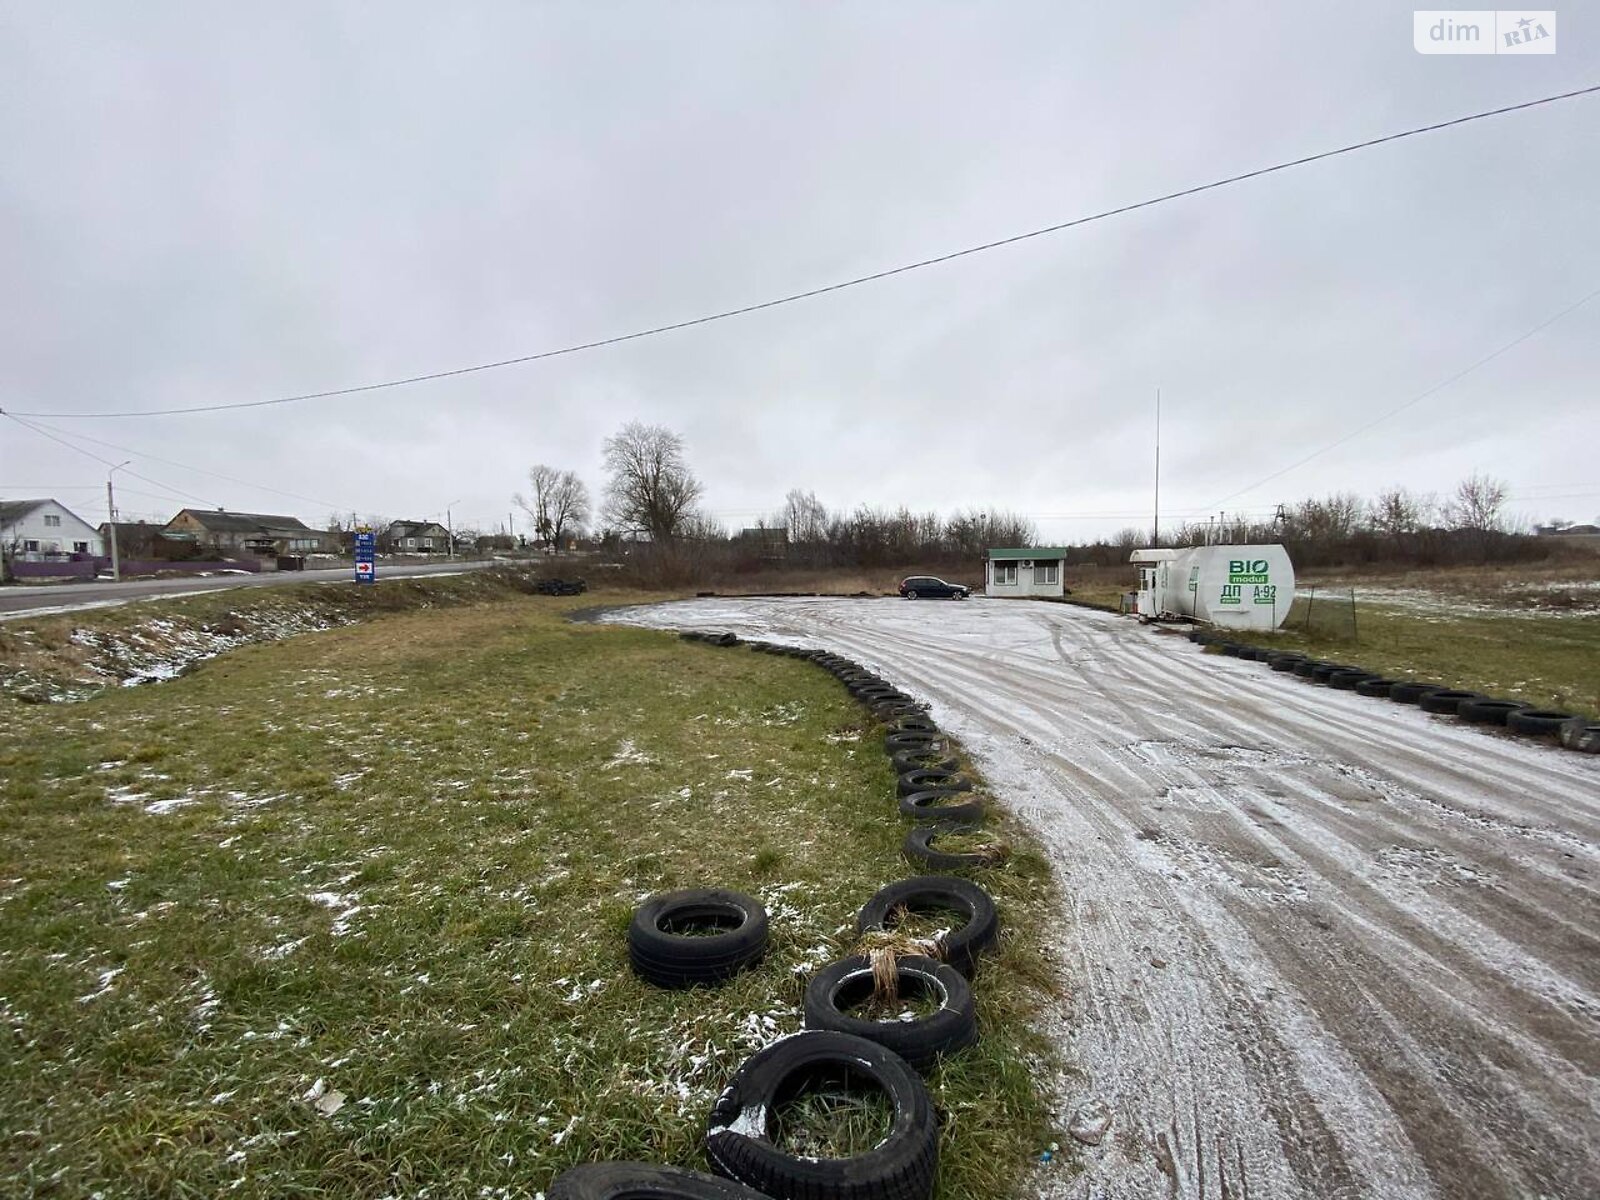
111	522
450	532
1155	533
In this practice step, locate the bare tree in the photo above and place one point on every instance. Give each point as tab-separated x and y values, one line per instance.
1478	505
805	517
1477	510
651	489
1397	511
560	504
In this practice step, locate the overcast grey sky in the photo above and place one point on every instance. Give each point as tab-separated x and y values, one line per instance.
208	204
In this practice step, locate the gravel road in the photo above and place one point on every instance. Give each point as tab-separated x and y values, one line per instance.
1316	945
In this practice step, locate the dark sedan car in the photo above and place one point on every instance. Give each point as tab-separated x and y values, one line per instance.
921	587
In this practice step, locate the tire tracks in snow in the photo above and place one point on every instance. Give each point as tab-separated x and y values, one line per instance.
1316	945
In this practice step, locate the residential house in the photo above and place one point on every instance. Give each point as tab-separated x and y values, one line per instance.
231	534
772	545
1025	571
38	530
417	537
135	539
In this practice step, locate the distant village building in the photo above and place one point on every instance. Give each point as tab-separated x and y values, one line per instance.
771	544
37	530
418	537
137	539
261	535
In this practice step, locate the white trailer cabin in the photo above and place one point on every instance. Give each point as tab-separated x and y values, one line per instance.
1232	587
1025	571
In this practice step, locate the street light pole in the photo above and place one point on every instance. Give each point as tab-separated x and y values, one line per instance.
111	521
450	526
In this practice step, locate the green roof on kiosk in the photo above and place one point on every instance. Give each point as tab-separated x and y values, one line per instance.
1044	552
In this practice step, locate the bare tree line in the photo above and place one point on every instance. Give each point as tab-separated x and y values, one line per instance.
652	506
1343	528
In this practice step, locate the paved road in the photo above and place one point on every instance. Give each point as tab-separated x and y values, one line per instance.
63	597
1316	945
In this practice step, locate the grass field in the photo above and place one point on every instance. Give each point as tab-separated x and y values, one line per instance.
344	914
1550	658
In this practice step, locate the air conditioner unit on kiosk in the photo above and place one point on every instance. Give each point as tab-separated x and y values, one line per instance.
1028	562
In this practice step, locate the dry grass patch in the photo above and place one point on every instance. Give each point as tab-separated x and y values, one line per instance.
345	914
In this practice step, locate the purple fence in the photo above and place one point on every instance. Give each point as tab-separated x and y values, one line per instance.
88	568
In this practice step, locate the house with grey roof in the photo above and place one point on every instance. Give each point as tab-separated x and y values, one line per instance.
39	530
262	535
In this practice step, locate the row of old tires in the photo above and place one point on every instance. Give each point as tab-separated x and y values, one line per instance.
703	937
1475	708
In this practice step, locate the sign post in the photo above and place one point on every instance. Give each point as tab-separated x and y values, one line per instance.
366	556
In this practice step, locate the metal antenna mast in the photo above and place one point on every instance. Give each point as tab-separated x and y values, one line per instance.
1155	539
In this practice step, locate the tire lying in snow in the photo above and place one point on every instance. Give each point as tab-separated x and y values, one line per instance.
980	925
1408	692
919	849
1373	687
838	987
644	1181
668	945
739	1135
1285	661
915	725
1306	666
1445	700
921	758
1537	722
940	805
1323	671
931	780
1481	710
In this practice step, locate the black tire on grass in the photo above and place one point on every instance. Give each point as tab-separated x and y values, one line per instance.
1537	722
925	893
1409	691
1373	687
670	959
1581	735
929	780
1305	667
1445	701
940	805
839	986
1482	710
636	1180
1345	681
1285	661
739	1134
919	850
900	740
919	758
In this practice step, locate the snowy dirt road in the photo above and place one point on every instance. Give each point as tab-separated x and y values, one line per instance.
1314	945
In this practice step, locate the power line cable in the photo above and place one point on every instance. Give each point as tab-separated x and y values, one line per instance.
166	487
83	437
848	283
1417	399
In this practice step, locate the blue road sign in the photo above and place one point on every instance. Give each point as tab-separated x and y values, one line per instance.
366	547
